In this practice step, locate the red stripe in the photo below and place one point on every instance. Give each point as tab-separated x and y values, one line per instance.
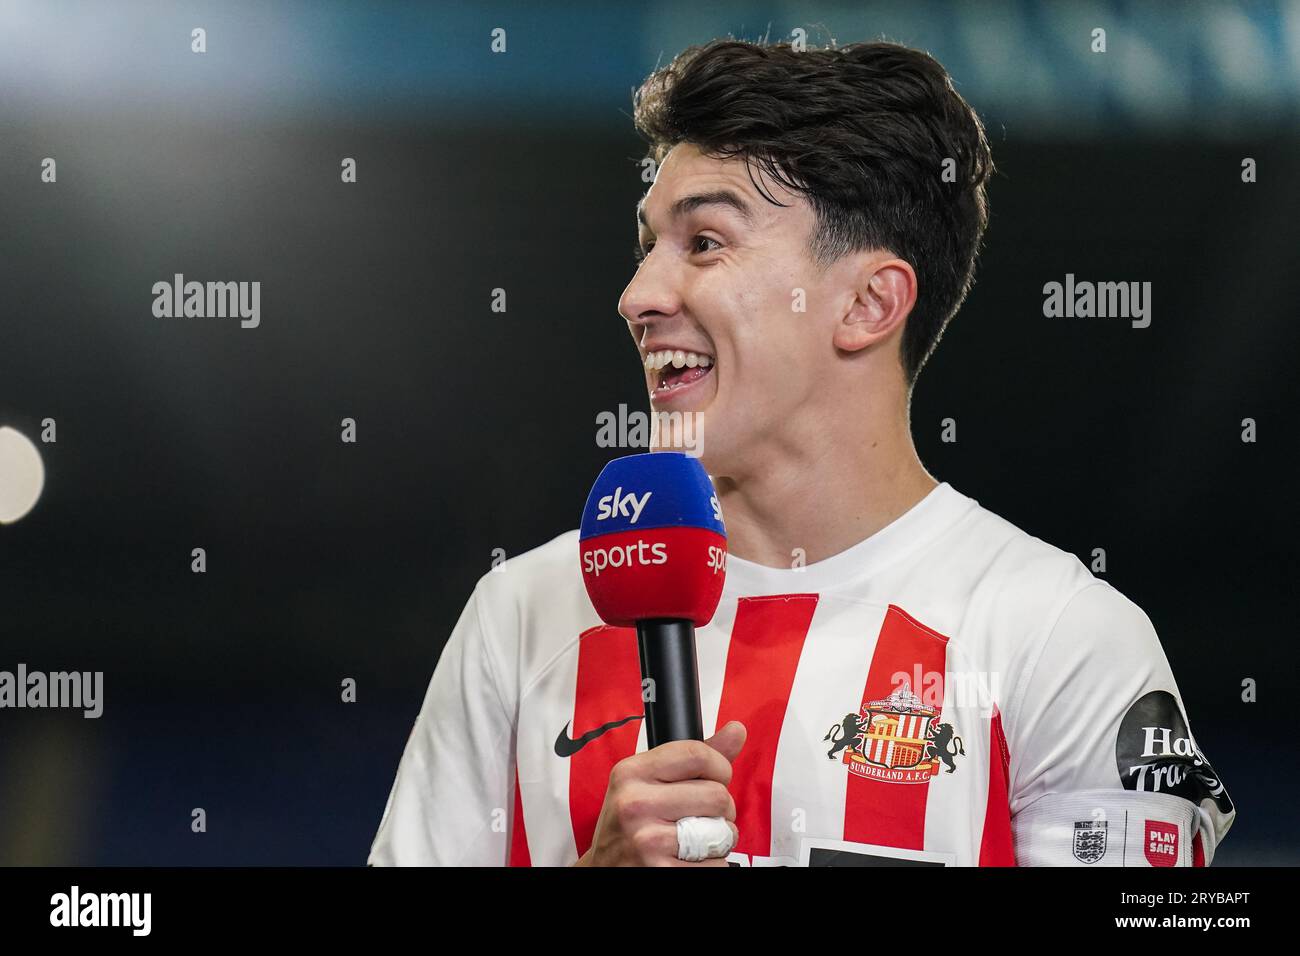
1198	849
995	843
518	838
766	641
879	811
609	688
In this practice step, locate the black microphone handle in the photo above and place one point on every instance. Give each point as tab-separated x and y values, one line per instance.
667	650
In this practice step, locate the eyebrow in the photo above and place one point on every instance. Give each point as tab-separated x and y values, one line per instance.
688	204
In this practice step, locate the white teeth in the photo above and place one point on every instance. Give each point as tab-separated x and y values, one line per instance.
677	358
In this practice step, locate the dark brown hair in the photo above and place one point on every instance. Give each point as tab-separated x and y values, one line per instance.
862	132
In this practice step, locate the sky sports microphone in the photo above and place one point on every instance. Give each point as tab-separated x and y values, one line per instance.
654	557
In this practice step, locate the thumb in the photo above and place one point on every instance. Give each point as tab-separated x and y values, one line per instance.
729	740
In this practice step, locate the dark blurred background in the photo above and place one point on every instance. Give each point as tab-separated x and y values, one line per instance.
476	429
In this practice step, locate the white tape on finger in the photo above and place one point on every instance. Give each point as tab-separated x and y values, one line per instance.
703	838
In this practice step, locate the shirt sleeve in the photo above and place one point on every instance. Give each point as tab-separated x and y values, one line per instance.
448	804
1104	767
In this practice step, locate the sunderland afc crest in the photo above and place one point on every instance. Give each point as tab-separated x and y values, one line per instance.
898	740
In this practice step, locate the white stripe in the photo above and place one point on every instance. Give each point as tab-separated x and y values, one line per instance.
954	809
543	777
807	788
711	644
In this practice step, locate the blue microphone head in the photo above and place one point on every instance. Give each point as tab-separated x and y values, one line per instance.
652	542
662	489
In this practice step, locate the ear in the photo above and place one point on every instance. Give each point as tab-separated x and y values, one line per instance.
884	298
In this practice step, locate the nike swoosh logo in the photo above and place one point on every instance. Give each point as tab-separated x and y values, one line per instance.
566	747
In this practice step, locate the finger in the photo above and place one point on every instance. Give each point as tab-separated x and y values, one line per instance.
687	760
691	798
697	833
656	843
729	740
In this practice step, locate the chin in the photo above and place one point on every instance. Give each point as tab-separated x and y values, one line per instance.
717	458
679	430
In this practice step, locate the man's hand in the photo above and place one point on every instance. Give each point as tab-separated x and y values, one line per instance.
649	792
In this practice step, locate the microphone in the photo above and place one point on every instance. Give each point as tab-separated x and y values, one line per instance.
654	556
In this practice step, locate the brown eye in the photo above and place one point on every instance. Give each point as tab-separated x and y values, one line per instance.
700	239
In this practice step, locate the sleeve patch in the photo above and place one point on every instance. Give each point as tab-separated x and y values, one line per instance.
1155	753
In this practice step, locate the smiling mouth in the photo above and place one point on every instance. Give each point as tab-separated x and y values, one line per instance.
671	370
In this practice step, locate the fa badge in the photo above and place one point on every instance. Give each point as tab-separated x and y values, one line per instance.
1089	840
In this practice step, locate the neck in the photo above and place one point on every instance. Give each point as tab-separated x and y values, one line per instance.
824	497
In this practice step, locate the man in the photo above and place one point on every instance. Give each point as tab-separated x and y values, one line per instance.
893	671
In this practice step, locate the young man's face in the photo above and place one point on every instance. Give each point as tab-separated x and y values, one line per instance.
719	281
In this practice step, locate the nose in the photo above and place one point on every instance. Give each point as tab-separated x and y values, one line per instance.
650	296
